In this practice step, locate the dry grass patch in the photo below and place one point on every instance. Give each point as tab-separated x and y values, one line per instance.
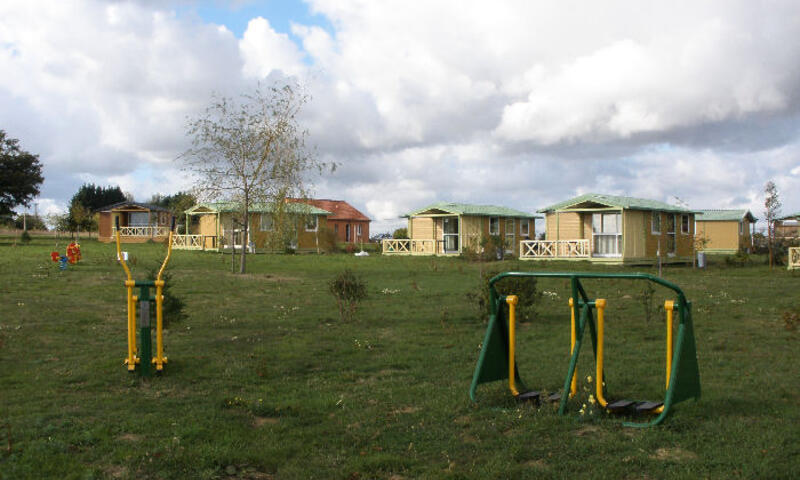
675	454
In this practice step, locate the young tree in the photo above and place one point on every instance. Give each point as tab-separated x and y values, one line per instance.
20	174
772	209
251	151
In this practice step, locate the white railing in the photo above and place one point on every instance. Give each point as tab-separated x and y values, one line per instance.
143	231
579	248
409	247
194	242
794	258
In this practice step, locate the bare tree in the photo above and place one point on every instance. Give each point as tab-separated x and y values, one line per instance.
772	209
251	151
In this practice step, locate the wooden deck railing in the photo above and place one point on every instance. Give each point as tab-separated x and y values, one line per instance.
409	247
794	258
143	231
194	242
578	248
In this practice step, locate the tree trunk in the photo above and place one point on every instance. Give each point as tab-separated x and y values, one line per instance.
245	232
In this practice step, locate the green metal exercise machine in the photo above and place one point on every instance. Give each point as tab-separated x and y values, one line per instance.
497	360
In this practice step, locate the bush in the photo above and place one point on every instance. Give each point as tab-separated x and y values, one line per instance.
400	233
348	290
172	307
740	259
25	237
523	287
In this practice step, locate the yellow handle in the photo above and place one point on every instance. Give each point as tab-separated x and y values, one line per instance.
511	300
669	306
601	307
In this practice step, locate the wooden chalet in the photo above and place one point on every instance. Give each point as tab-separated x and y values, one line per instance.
614	229
447	228
214	226
138	222
725	231
788	226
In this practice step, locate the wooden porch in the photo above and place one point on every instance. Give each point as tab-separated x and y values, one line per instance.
555	249
427	246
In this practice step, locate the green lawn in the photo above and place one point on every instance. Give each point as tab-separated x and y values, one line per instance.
264	380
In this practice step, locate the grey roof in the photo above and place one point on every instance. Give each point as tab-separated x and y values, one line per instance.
469	209
291	207
146	206
794	216
718	215
613	201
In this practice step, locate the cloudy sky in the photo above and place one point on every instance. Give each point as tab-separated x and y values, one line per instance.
516	103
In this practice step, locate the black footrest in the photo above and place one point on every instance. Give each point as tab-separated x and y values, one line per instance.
532	396
619	405
644	407
554	397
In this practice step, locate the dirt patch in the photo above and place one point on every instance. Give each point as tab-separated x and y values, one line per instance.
130	437
462	420
116	471
537	464
674	455
259	422
264	277
587	430
406	410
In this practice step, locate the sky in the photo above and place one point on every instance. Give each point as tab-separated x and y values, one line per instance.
514	103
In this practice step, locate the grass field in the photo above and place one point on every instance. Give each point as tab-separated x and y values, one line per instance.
264	381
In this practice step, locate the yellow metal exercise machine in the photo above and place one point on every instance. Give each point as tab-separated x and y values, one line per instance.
144	298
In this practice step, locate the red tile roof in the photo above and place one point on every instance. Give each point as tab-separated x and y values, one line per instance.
340	209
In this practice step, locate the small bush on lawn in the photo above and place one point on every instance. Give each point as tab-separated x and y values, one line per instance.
348	290
25	237
172	308
523	287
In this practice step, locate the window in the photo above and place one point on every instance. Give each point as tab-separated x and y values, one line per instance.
494	226
524	227
510	235
347	232
656	223
358	230
266	222
671	234
607	234
336	228
741	228
311	223
685	224
138	219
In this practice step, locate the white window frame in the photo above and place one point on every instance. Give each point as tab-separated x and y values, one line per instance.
601	233
653	217
358	231
741	228
525	227
497	225
316	224
688	224
261	222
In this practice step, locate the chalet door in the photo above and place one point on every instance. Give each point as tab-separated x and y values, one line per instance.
607	234
450	234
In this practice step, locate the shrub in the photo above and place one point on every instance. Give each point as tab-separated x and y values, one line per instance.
523	287
172	307
400	233
25	237
348	290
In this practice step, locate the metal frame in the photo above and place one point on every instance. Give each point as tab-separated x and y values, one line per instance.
684	378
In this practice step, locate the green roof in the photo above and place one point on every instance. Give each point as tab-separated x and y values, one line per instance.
468	209
291	207
724	216
613	201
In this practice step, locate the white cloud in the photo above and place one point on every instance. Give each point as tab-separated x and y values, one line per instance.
265	50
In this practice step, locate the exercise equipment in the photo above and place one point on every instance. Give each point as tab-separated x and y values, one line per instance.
144	360
497	357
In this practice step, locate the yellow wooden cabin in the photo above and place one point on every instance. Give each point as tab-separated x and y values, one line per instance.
614	229
725	231
213	226
138	222
447	228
